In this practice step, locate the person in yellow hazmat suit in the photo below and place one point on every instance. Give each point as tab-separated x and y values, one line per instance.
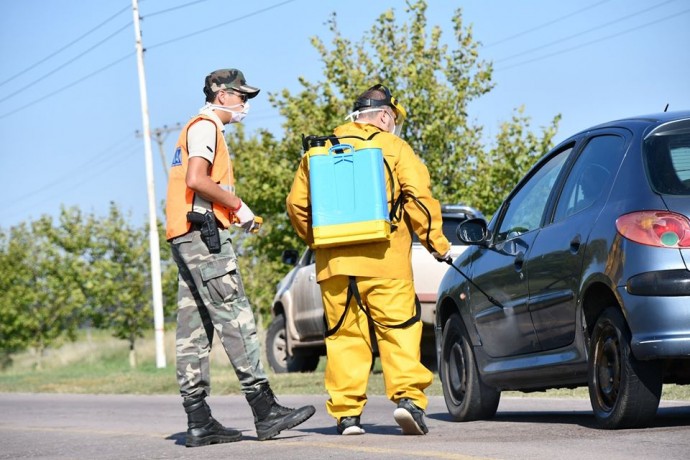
370	284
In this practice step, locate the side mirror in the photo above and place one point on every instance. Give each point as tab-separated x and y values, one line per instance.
473	231
290	257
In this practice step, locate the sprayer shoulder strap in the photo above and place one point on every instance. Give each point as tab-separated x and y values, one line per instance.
353	291
335	140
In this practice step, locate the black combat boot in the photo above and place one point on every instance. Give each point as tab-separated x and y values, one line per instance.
270	418
203	429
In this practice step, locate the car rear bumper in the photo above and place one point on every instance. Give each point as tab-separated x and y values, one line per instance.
659	347
658	313
428	311
660	283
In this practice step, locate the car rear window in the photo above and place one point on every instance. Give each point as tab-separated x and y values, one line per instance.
450	223
667	158
449	227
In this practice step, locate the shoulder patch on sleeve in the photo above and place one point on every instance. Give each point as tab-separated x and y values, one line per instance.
177	158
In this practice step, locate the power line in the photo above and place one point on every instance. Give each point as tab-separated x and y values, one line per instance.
95	160
206	29
579	34
104	168
608	37
174	8
520	34
57	91
52	93
55	53
29	86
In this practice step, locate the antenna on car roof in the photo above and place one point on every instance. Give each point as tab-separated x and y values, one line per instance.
666	108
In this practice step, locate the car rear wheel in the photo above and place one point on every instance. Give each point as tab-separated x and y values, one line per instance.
467	397
624	392
276	351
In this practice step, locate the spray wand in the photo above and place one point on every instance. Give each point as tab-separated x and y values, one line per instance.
449	261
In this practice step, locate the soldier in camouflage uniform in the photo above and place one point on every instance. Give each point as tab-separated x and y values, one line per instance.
200	206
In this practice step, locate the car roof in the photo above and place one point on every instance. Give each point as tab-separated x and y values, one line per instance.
460	210
642	121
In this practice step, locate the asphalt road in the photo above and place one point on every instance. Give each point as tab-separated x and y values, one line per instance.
55	426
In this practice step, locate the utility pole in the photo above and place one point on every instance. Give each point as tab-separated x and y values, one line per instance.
161	134
153	225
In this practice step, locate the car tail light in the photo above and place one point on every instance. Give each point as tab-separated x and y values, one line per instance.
655	228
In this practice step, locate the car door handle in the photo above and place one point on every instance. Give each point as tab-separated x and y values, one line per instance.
575	244
519	261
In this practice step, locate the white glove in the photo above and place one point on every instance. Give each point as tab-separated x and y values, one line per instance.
442	258
245	217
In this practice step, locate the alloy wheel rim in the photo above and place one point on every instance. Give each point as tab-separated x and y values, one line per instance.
280	348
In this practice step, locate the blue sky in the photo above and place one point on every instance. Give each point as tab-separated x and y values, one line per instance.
69	91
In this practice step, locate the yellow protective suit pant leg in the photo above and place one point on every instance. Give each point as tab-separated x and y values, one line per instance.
349	349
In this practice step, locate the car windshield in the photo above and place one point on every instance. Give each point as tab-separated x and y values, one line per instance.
667	158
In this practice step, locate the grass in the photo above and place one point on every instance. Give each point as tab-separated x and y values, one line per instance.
99	364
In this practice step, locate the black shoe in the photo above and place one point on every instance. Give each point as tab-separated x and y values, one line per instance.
270	418
410	418
349	426
202	428
211	433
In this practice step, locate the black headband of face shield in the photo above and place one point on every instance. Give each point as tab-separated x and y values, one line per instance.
388	99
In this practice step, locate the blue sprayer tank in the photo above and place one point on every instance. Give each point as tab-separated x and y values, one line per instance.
348	195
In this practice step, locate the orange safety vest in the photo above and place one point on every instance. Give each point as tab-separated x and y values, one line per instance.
180	199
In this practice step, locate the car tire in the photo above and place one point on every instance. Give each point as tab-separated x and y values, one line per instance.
276	351
303	361
467	397
624	392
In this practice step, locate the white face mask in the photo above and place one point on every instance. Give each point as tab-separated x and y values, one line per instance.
236	116
353	117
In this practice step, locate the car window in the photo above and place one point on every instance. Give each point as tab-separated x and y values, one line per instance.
526	207
309	257
667	158
590	178
450	224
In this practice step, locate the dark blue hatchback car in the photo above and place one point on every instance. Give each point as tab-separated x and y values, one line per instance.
582	277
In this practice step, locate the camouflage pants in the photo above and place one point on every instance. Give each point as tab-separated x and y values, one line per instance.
211	297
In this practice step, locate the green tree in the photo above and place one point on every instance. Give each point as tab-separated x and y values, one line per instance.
43	303
118	284
264	174
15	273
56	278
436	83
168	276
434	80
503	165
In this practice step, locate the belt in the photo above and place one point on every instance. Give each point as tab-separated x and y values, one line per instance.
193	226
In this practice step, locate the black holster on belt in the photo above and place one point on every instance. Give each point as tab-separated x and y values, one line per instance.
209	229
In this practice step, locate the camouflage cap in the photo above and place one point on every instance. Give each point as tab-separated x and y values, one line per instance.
228	79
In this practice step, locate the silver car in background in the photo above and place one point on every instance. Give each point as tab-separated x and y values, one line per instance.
294	340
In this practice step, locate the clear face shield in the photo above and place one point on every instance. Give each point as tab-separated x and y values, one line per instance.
400	115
